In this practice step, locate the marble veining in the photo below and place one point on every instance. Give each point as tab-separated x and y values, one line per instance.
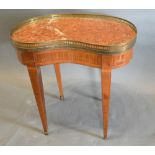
89	30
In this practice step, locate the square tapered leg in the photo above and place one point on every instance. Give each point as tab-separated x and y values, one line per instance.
59	80
106	82
37	85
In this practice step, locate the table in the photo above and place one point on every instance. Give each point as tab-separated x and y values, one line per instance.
99	41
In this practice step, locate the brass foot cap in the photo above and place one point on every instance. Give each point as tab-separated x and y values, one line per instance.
45	133
105	137
61	98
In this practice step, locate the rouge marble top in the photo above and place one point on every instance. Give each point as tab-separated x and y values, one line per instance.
98	31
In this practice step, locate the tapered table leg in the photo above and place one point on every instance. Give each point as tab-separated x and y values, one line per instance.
106	82
59	81
37	85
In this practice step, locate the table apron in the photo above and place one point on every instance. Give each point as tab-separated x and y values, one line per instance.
74	56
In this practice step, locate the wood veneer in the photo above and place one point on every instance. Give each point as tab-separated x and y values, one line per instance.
104	62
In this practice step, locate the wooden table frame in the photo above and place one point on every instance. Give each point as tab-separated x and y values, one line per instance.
105	62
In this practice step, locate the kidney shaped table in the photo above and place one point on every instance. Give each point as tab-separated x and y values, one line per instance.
99	41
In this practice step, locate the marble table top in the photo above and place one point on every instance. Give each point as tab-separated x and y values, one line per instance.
99	31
